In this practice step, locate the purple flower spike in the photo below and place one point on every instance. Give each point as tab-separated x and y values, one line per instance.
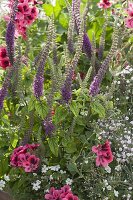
38	86
94	87
66	89
10	32
3	93
48	126
87	45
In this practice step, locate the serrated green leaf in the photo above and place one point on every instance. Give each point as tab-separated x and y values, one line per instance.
97	108
60	114
53	145
74	107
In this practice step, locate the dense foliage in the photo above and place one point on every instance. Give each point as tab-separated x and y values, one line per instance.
66	100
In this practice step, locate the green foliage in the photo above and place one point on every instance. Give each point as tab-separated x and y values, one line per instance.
82	123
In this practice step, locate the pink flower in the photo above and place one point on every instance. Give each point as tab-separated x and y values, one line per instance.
22	158
130	9
3	52
70	197
129	22
104	154
53	194
62	194
104	4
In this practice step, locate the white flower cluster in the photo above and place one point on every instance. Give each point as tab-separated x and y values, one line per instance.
55	168
3	182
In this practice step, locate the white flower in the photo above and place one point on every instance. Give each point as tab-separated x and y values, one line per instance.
53	2
34	174
118	168
2	184
131	122
51	177
55	168
36	185
6	178
62	172
116	193
108	169
84	113
128	196
109	187
105	182
86	161
69	181
44	169
126	118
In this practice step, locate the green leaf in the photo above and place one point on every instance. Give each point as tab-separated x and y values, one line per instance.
69	144
48	9
57	10
97	108
72	167
60	114
53	145
74	107
63	20
31	104
41	109
14	140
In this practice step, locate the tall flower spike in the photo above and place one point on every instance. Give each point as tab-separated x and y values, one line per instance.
66	89
10	33
17	71
102	40
95	85
41	60
70	29
86	42
4	89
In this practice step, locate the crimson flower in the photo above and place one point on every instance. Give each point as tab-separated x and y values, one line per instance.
104	4
104	154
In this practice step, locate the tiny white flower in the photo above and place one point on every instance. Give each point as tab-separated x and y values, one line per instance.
2	184
6	177
131	122
126	118
118	168
69	181
86	161
108	169
62	172
130	188
44	169
51	178
53	2
116	193
105	182
34	174
109	187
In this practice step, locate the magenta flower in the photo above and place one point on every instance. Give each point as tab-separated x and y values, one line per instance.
104	4
129	19
53	194
130	9
70	197
104	154
23	157
64	193
129	22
